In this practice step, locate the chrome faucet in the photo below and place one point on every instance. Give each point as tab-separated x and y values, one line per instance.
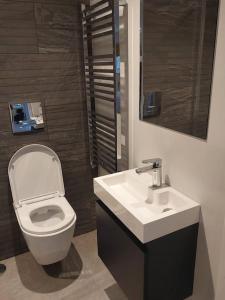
155	165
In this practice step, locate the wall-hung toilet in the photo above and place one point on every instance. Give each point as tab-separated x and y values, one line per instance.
45	217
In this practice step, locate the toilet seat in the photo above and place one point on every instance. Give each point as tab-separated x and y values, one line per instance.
49	225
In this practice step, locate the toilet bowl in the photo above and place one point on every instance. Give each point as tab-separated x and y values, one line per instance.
45	217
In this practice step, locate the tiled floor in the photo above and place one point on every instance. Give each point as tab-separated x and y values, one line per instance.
81	276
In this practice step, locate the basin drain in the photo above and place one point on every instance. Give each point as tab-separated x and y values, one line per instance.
166	209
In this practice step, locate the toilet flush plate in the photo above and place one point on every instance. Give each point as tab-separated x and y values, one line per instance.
126	195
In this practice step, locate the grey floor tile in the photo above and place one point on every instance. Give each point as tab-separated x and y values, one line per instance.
81	276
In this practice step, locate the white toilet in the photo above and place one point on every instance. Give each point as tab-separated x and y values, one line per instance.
45	217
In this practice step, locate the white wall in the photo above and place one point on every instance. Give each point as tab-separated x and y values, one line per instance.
194	167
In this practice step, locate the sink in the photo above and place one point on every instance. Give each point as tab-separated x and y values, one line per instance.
148	214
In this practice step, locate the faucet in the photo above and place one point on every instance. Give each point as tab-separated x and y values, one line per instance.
155	165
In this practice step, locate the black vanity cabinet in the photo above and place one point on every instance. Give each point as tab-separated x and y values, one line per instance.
162	269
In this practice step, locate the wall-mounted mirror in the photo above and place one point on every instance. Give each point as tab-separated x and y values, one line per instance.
177	54
26	117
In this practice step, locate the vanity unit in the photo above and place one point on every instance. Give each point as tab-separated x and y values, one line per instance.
147	239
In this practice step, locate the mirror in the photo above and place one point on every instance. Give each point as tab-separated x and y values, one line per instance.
26	117
177	55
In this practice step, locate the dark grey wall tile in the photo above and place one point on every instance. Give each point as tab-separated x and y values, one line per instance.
59	2
57	16
17	33
58	28
57	40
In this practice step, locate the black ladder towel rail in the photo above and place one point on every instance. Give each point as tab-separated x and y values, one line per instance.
102	80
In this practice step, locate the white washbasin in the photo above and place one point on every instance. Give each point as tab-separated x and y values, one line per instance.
126	194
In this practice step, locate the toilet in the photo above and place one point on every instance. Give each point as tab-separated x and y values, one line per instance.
45	217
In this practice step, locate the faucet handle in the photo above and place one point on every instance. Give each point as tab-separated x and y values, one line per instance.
157	162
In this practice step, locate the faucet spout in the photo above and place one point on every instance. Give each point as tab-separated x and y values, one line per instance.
156	167
144	169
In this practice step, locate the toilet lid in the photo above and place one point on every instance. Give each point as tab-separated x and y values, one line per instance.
35	171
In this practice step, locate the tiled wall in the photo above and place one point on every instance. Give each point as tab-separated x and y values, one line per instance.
41	60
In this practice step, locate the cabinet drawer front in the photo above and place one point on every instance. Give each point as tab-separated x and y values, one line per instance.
120	252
